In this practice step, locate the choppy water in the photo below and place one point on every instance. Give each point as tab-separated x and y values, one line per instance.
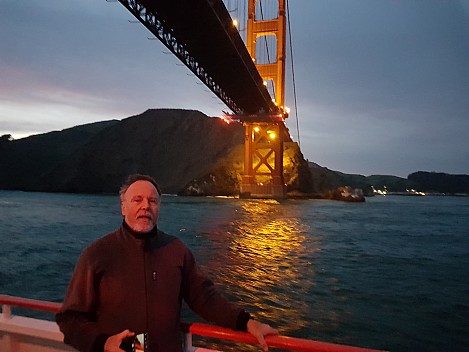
390	273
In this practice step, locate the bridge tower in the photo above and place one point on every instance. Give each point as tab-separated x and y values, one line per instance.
265	135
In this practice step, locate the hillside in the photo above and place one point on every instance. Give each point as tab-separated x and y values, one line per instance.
180	148
25	163
188	153
172	145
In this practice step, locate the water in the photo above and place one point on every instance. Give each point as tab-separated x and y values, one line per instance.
390	273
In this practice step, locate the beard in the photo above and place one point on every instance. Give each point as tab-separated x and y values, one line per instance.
142	224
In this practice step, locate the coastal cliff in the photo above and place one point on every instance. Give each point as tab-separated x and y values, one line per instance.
187	152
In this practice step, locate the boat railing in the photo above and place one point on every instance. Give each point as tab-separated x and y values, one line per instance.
16	332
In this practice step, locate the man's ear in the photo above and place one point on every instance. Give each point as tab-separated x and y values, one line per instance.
123	210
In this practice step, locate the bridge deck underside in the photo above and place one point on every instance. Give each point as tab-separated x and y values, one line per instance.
206	30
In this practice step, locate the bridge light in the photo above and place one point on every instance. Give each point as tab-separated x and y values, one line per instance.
265	83
225	118
235	23
256	129
271	134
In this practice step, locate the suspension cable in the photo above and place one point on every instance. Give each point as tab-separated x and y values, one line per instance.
293	73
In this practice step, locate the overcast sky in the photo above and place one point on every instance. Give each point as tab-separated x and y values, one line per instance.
382	85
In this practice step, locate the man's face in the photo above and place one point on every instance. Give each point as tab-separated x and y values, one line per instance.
140	206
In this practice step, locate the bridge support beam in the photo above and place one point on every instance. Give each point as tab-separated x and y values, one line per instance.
263	160
264	138
258	29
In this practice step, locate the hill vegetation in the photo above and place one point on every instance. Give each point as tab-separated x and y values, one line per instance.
188	153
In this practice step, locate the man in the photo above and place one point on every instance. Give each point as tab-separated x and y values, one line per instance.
133	281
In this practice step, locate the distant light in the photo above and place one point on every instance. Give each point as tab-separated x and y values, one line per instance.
265	83
235	23
272	135
256	129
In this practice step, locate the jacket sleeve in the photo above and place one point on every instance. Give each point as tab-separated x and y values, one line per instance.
202	297
77	317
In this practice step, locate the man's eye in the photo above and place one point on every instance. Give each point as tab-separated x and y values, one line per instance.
153	201
136	200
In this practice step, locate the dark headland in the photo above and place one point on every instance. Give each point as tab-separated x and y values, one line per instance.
188	153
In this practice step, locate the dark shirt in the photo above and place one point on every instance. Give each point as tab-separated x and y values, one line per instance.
132	281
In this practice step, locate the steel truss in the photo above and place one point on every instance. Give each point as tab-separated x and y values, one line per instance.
152	21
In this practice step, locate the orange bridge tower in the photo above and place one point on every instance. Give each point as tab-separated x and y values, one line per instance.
266	133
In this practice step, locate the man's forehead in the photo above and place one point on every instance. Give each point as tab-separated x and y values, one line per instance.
142	187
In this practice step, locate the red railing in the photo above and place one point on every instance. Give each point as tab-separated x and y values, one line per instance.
284	342
30	303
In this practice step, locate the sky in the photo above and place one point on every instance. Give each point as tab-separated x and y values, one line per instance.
382	86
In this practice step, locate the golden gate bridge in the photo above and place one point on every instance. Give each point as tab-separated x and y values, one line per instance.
247	75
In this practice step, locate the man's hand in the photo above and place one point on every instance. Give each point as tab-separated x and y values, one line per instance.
259	330
113	342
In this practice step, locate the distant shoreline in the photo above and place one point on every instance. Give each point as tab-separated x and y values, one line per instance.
430	194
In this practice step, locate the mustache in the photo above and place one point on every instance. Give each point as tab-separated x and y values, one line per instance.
146	215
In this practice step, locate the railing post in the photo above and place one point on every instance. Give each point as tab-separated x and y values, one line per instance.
188	342
7	340
6	311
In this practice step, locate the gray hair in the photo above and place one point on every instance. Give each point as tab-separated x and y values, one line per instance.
134	178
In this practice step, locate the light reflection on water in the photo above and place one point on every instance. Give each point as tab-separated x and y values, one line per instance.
266	255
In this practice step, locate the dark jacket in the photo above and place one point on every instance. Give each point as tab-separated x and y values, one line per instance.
123	282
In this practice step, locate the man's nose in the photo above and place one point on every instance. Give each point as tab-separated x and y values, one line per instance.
145	203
